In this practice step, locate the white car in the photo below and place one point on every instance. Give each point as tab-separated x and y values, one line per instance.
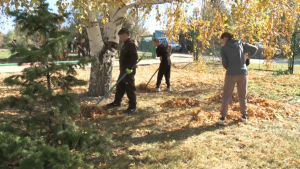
175	46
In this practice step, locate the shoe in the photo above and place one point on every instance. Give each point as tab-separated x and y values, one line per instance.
129	110
113	104
222	121
168	89
244	118
157	89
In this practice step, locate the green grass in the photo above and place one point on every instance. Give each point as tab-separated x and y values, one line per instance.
4	53
163	137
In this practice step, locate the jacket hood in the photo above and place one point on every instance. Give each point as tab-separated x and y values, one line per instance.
233	44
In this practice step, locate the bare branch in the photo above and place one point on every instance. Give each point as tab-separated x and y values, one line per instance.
153	2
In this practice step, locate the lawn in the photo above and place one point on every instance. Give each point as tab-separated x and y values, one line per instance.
5	54
178	129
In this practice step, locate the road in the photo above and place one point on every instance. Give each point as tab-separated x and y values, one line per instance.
176	58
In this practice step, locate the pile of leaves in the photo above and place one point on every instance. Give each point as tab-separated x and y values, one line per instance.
84	107
144	87
265	109
258	109
182	103
204	118
217	98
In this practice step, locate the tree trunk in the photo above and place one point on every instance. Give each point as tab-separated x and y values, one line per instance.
100	77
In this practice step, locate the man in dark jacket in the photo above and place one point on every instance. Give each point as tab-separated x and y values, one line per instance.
81	48
233	60
128	59
165	64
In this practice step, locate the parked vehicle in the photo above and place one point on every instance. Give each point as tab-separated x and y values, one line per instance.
259	55
175	46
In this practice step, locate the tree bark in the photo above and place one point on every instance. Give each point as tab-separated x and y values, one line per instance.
100	77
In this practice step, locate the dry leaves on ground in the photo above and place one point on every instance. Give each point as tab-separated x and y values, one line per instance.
182	103
84	107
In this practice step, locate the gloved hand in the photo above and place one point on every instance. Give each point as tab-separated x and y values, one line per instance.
247	61
128	71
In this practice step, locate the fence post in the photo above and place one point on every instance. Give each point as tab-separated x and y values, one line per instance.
291	59
152	47
293	46
197	49
194	42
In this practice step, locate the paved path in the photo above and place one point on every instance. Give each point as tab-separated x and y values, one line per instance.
176	58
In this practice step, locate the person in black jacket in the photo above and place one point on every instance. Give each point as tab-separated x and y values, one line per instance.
165	64
81	48
128	59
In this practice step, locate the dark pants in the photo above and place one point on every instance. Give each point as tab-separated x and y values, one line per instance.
126	85
74	48
164	70
82	52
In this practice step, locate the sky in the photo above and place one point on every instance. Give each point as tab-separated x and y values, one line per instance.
148	24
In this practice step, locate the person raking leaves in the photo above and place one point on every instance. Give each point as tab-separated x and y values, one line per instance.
233	60
81	48
128	59
165	64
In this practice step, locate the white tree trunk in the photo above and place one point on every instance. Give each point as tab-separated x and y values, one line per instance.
96	44
100	77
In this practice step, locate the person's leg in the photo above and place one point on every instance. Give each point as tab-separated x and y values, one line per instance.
79	53
167	75
242	83
227	93
83	53
120	91
131	90
160	75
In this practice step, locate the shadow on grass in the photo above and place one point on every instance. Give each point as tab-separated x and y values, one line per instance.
135	157
177	135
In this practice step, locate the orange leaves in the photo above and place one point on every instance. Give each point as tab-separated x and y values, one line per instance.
84	107
258	108
181	103
298	161
203	118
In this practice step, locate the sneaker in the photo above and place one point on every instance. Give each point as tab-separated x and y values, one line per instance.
129	110
113	104
157	89
168	89
244	118
222	121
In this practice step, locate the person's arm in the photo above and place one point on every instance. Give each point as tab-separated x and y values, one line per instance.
159	52
247	61
224	59
132	55
251	49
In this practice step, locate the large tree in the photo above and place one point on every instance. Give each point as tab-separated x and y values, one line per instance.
103	44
